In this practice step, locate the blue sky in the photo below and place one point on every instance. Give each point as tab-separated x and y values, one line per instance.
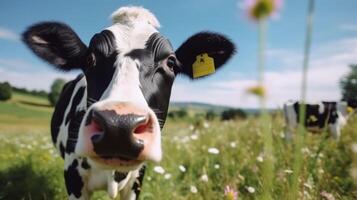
334	44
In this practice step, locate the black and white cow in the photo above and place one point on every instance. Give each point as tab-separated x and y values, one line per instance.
332	115
108	120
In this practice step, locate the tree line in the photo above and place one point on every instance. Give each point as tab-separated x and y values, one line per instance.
348	85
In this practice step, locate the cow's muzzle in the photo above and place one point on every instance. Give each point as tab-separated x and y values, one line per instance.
121	133
117	134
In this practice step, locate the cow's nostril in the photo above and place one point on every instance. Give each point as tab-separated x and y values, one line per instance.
143	127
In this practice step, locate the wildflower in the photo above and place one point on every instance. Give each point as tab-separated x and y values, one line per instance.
194	137
230	193
205	124
182	168
260	9
308	185
204	178
216	166
258	90
149	178
213	150
327	196
167	176
260	159
288	171
233	144
305	150
250	189
159	170
193	189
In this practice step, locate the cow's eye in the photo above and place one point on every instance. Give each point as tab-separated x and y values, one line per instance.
171	62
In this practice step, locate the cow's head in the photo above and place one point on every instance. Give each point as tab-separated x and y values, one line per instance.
129	69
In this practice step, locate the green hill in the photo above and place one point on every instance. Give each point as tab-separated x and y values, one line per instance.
24	111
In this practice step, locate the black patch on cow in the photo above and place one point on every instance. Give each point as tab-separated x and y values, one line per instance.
119	176
217	46
56	43
313	118
62	149
139	181
159	46
73	130
74	182
85	165
99	73
75	102
103	44
60	108
156	77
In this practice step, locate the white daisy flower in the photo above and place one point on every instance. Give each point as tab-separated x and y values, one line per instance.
193	189
167	176
204	178
213	150
233	144
250	189
182	168
159	170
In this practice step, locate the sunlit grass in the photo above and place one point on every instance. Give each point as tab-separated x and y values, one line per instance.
239	162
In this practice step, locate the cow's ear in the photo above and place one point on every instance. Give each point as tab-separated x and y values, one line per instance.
56	43
213	45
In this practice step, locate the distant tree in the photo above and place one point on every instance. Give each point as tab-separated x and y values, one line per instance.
349	84
210	115
233	114
55	92
5	91
182	113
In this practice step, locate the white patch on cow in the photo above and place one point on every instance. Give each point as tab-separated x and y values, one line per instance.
97	179
130	15
321	107
290	119
126	192
63	129
125	85
112	185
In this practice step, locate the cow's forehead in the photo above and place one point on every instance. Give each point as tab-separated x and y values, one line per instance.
128	38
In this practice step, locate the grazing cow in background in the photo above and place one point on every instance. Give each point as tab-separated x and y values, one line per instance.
108	120
332	115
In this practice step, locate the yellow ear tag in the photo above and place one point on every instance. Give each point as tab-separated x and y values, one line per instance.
204	65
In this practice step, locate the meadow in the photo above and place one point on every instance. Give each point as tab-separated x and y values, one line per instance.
201	158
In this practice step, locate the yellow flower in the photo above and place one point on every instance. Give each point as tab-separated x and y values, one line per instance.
260	9
230	193
257	90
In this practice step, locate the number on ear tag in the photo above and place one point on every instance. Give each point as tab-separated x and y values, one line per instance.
203	66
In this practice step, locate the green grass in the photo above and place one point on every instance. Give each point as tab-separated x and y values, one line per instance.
24	112
30	167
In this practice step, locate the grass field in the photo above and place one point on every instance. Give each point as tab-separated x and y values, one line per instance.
200	159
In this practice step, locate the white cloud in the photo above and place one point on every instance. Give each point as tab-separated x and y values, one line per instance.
348	27
7	34
328	64
33	80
